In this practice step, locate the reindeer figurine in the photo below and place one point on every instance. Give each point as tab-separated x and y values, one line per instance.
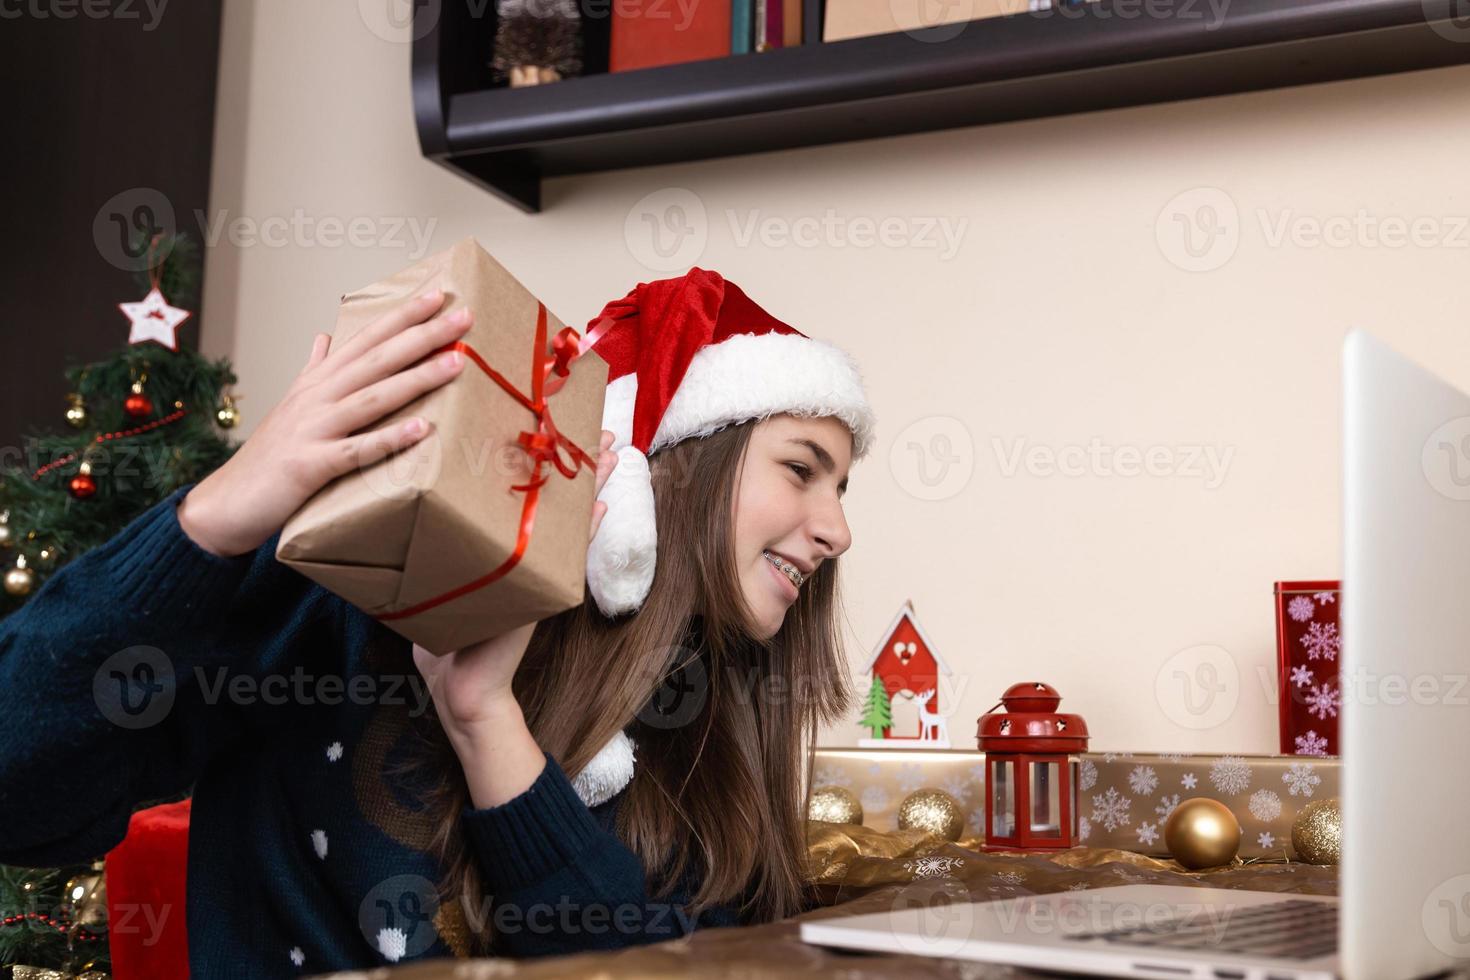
931	720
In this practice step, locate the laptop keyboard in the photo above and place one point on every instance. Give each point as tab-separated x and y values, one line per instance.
1290	929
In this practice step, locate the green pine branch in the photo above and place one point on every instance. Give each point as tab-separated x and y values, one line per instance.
31	941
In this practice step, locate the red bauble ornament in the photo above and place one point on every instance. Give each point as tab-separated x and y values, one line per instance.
82	486
138	405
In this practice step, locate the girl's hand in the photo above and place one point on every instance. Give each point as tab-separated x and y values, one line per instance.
308	439
472	687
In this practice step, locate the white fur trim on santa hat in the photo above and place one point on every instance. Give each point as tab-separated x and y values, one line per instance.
621	556
617	409
753	376
609	771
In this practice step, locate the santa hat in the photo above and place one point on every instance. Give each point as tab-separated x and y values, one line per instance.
688	357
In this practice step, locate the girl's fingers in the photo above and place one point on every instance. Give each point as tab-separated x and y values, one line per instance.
395	321
398	353
319	347
606	463
361	450
375	401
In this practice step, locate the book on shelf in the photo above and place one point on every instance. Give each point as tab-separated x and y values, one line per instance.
648	33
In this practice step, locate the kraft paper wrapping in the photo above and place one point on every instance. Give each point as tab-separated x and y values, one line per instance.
441	514
1124	798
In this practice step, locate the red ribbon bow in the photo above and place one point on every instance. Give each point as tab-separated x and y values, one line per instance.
544	443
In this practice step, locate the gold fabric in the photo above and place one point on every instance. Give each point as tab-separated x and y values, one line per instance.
858	869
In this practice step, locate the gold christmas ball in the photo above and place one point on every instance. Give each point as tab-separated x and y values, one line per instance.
76	412
1316	833
5	541
1202	833
933	810
19	580
833	804
227	415
87	894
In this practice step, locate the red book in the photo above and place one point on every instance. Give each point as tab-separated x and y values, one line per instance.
1308	652
647	33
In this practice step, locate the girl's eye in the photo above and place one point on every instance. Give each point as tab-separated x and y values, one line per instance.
802	471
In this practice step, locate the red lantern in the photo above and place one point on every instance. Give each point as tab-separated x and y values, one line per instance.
1030	772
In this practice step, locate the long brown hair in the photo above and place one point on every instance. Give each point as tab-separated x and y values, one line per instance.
718	790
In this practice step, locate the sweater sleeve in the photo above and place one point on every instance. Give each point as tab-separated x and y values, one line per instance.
560	883
106	697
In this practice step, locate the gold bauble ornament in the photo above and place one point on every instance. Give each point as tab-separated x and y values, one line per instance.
1202	833
1316	833
933	810
20	579
5	541
76	410
833	804
227	415
87	894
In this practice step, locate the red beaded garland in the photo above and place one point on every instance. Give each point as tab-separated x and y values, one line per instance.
104	437
82	934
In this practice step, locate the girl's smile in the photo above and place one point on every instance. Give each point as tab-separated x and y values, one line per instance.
788	588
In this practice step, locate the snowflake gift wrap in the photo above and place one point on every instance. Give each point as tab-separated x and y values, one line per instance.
1124	798
1309	683
1127	797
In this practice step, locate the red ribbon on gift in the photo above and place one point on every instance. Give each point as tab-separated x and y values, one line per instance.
544	443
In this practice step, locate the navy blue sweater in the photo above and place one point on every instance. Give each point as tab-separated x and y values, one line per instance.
148	667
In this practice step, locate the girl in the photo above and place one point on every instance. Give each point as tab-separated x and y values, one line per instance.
334	832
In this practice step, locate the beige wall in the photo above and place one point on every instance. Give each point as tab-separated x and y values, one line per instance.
1065	313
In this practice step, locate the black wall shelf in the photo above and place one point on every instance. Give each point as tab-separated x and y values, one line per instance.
1103	55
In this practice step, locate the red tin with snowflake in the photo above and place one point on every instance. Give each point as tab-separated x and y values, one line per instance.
1308	655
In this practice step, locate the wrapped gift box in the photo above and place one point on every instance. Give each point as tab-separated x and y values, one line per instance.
1124	798
481	526
1309	685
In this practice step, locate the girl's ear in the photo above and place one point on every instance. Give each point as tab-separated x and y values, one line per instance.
621	557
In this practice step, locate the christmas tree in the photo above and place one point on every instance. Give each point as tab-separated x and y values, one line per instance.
139	424
877	710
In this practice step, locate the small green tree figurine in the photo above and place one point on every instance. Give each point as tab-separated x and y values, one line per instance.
877	710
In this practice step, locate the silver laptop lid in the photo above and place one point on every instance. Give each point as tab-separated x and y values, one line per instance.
1405	659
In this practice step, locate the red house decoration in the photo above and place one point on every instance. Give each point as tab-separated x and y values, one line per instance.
905	663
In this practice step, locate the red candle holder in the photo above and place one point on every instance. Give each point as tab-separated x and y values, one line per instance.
1030	769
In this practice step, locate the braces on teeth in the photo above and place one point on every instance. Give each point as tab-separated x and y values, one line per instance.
792	572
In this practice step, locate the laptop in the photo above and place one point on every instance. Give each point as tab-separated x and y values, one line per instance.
1403	908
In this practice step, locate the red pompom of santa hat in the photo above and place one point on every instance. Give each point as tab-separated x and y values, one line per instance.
687	357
